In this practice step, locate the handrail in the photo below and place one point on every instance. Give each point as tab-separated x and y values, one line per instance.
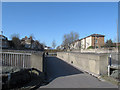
16	53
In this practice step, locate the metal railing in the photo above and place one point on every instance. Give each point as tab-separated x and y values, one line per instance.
16	59
20	51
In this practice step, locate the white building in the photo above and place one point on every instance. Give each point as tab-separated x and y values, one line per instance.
75	45
94	40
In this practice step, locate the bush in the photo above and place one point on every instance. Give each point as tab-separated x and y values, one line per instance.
90	47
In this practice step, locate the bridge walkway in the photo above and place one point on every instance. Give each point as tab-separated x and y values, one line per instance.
62	75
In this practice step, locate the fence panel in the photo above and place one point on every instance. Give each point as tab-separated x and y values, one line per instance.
16	59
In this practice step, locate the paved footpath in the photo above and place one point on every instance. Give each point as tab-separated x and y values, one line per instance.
62	75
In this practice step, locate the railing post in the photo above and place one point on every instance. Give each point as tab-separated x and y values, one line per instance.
2	59
109	65
11	59
23	61
5	60
29	57
17	60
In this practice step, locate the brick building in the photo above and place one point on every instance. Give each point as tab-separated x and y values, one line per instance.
95	40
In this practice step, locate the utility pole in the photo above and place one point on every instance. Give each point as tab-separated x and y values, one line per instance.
95	42
117	36
1	42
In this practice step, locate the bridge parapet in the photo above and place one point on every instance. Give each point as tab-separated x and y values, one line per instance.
23	60
95	64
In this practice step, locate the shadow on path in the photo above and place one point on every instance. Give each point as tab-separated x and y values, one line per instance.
57	68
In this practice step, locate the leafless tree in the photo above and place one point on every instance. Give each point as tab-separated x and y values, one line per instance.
69	38
16	41
109	43
38	45
53	44
43	43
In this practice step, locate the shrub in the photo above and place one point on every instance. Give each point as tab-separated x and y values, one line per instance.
90	47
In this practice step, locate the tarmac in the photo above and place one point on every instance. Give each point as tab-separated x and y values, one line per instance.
62	75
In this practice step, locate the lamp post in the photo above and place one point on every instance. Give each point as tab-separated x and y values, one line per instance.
117	36
1	50
95	42
1	41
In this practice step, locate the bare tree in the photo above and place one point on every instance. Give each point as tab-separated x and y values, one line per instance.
69	38
53	44
43	43
16	41
109	43
73	36
38	46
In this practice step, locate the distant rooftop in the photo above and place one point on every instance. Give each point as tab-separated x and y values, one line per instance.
97	35
94	35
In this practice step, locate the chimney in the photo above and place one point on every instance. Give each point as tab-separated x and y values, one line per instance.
25	37
31	37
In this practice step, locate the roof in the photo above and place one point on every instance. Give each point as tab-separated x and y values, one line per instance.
94	35
97	35
3	37
25	38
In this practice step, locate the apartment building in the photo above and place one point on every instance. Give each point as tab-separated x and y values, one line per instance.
95	40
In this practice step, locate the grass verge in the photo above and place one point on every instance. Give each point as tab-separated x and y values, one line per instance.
110	79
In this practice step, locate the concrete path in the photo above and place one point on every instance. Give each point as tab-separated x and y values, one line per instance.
62	75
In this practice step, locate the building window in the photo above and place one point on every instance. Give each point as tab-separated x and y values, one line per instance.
96	46
96	41
5	42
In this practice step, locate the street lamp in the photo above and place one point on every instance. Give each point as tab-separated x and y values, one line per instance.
1	40
95	42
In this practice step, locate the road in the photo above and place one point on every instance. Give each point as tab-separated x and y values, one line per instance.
62	75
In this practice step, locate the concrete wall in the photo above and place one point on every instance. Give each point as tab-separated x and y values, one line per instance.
36	61
99	50
93	63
